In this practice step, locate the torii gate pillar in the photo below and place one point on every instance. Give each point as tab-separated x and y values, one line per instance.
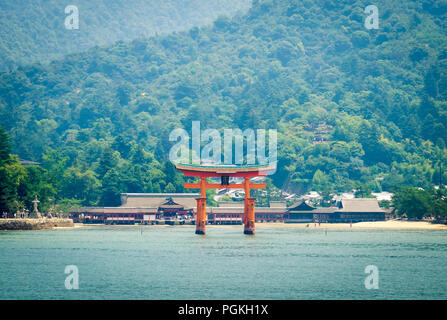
201	216
249	216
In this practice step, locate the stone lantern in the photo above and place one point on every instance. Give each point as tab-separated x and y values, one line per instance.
36	213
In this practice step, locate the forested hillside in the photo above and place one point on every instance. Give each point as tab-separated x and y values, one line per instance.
34	30
354	108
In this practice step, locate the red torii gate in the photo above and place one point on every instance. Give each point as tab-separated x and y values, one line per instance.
225	172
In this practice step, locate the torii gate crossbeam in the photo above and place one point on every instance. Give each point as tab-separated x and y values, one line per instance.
224	172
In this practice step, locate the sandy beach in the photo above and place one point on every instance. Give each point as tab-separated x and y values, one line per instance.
390	224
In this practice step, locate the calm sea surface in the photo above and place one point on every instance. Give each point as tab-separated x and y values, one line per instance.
163	262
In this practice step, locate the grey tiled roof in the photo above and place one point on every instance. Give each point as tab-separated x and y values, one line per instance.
154	200
360	205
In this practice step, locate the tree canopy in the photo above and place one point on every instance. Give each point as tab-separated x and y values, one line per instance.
353	107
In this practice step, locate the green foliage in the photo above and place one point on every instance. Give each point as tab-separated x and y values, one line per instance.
112	189
11	175
439	203
210	193
353	107
37	183
320	181
417	203
34	30
385	204
169	188
5	146
62	180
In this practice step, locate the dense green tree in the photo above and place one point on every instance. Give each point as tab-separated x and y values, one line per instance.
108	161
36	183
82	186
169	188
110	195
360	39
320	181
35	31
11	175
412	202
352	107
5	146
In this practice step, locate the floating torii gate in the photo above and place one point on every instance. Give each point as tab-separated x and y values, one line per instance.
224	172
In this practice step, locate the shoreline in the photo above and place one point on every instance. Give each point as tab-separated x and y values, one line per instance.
18	224
380	225
66	224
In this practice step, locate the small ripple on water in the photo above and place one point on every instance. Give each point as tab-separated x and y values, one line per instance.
163	263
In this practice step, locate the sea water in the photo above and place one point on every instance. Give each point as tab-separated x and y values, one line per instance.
171	262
